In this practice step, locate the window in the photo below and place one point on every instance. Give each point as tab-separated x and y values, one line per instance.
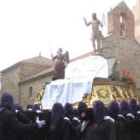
30	91
122	24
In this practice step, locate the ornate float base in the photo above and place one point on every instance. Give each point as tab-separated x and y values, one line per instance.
107	91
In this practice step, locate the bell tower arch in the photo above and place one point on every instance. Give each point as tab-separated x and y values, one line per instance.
121	21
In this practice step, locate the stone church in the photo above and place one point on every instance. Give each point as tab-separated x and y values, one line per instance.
26	78
120	41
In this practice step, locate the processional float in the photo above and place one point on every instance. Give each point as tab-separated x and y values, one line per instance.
87	79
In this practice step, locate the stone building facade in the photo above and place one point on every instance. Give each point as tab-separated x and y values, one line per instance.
9	81
30	87
120	42
136	12
11	76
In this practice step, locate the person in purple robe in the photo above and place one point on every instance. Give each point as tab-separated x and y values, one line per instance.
113	109
29	106
36	107
81	110
113	112
133	118
124	108
125	117
18	107
101	127
60	128
69	112
10	125
133	106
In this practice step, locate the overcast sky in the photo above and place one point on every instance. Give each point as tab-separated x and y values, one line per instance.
27	27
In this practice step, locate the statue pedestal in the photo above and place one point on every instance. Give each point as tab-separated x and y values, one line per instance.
99	54
106	91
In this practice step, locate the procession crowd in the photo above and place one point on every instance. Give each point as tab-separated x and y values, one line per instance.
117	121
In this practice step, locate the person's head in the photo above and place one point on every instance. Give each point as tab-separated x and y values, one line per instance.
133	106
57	114
36	107
82	106
60	50
113	109
124	108
94	16
99	111
69	111
68	106
18	107
7	101
29	106
81	110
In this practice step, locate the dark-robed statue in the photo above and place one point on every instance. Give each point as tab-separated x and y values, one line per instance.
60	64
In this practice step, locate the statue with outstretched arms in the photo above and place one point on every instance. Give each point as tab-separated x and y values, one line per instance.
96	33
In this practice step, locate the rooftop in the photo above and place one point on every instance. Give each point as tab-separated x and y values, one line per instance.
49	71
38	61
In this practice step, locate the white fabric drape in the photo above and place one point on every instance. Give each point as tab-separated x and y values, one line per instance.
79	76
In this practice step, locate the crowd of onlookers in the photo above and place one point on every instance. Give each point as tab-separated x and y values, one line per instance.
117	121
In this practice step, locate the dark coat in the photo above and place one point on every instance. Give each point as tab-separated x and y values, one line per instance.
10	126
125	127
105	131
63	131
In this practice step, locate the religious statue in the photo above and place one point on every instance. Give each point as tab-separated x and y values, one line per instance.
39	96
60	64
96	33
38	99
41	93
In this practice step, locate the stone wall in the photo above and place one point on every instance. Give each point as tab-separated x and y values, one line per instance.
36	86
9	82
127	53
30	70
11	78
120	42
136	12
